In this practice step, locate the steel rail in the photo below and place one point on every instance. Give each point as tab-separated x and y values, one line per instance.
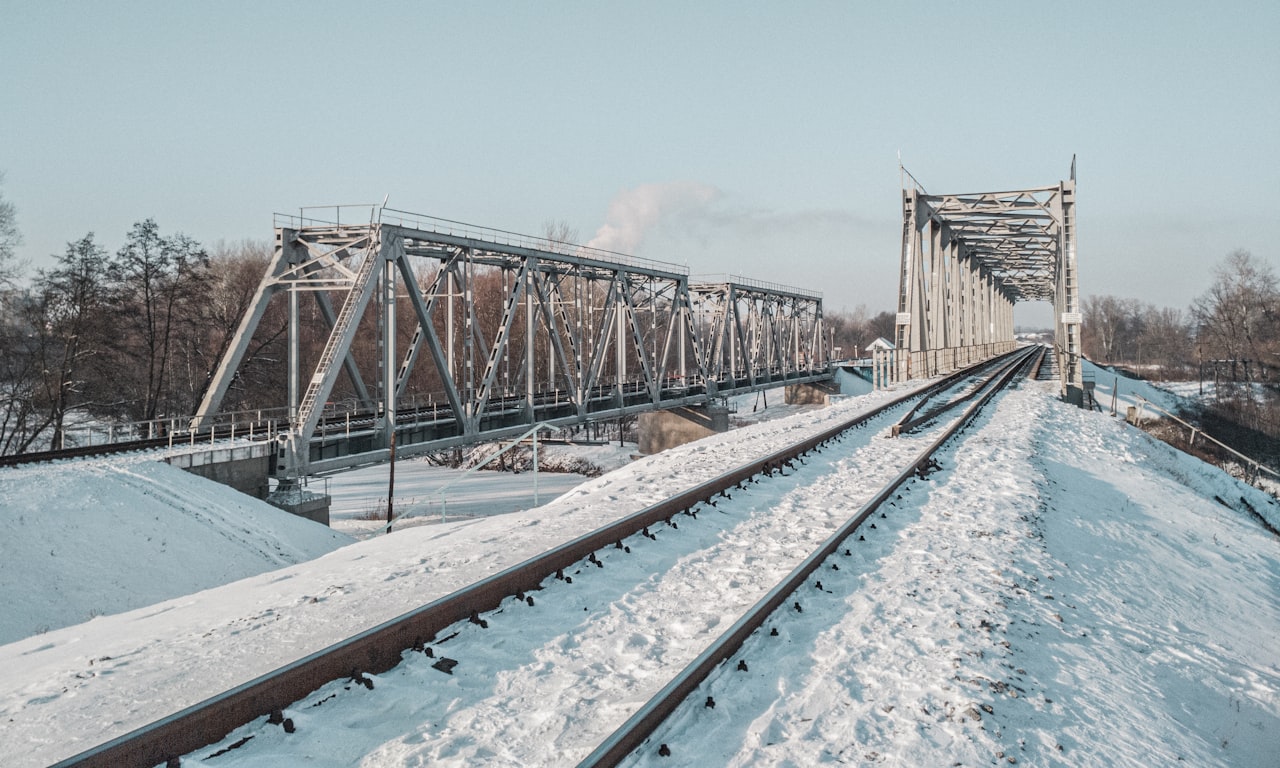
641	725
908	424
910	421
380	648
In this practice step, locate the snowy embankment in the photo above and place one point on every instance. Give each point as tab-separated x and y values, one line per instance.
1065	592
81	685
87	538
1116	388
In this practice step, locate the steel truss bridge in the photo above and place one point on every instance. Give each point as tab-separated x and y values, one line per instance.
508	331
966	260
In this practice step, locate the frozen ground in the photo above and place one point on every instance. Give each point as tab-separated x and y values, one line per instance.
87	538
1123	391
1064	582
421	490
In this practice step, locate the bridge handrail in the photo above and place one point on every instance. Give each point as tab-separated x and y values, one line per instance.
1258	466
366	214
751	282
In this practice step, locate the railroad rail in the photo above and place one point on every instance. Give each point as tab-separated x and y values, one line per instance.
380	648
633	733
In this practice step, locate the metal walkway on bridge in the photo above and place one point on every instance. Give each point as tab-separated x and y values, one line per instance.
515	331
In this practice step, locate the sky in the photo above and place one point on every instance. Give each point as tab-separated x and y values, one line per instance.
760	139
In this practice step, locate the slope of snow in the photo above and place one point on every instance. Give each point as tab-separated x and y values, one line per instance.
1124	391
1065	592
196	646
88	538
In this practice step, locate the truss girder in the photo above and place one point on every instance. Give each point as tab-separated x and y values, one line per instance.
755	335
512	335
968	258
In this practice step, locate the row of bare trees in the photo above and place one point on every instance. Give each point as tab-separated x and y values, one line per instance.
1230	336
852	332
124	336
1139	335
1236	320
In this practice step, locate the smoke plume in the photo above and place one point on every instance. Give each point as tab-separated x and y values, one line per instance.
633	212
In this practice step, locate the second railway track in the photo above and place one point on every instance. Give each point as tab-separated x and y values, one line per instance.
451	627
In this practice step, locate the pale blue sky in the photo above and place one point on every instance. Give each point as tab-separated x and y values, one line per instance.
756	138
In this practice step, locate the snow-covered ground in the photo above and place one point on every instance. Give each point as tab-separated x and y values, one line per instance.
359	496
1065	582
1169	395
86	538
1066	592
1116	388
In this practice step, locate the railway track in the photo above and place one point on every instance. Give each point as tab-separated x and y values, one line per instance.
382	648
633	733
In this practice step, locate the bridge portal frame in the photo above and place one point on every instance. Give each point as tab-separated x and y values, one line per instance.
967	259
583	335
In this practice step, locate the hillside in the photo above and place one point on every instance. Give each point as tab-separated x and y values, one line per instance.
83	539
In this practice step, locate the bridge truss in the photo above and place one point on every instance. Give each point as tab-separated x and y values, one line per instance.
967	259
506	331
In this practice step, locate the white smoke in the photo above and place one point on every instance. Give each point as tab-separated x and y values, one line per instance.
633	212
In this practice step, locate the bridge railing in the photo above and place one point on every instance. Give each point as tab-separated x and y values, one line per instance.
751	282
262	423
330	216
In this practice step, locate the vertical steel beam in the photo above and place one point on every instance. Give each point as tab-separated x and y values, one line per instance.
224	374
391	255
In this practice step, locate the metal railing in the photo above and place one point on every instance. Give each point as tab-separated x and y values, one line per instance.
750	282
1248	461
368	214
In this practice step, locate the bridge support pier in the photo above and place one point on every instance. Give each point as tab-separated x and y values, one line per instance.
660	430
814	393
246	469
292	497
243	468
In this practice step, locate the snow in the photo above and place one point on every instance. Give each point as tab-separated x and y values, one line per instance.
359	496
1125	391
87	538
1066	591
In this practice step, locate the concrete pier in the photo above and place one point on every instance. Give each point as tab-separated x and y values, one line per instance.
660	430
815	393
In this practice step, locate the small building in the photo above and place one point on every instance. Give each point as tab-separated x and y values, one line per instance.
881	343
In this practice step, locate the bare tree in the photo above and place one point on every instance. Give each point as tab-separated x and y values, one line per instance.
9	240
1238	316
883	325
1103	320
559	232
69	323
156	283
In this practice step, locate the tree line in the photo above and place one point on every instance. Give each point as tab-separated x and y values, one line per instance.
1229	339
122	336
